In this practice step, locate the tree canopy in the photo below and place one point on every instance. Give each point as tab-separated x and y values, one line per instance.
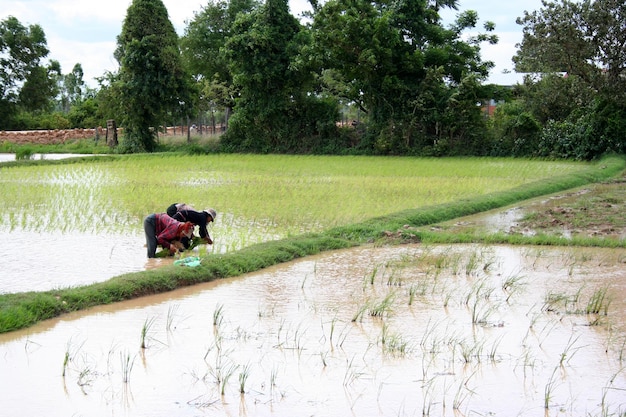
585	42
23	81
153	83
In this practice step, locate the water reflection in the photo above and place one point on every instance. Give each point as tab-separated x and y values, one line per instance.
5	157
465	330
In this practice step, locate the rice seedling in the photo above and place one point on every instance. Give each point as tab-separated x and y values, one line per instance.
370	278
358	316
225	375
70	352
218	315
273	378
493	352
470	351
549	388
244	374
145	330
428	388
622	350
396	345
463	392
383	307
553	302
569	350
323	356
413	290
127	366
85	377
351	373
604	405
472	265
598	302
171	315
513	284
394	279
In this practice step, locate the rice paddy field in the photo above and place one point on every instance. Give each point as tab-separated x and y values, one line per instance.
377	330
82	223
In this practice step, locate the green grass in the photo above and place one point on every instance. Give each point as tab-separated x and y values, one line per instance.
23	310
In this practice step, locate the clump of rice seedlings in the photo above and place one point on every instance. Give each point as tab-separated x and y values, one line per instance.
69	354
396	345
383	307
394	279
598	302
243	378
553	302
225	376
218	315
478	300
512	285
127	366
85	377
493	355
358	316
145	330
471	266
470	352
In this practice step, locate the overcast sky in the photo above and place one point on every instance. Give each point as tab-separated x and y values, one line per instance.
85	31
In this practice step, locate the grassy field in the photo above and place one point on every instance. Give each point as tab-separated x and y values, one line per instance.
308	204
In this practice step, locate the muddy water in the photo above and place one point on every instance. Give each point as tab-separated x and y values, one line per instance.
402	331
5	157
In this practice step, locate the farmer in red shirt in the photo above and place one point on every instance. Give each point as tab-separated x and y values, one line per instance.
163	230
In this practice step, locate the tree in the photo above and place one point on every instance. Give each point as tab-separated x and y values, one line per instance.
21	51
72	88
586	40
153	83
203	50
275	110
401	67
40	88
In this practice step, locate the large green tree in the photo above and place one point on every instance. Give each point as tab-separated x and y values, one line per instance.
585	41
203	50
153	83
275	110
417	81
21	51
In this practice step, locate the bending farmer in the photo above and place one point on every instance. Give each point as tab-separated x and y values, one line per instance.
184	213
163	230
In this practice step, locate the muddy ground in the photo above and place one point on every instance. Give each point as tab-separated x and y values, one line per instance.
596	210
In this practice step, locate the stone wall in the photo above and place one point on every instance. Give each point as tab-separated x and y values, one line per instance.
59	136
50	137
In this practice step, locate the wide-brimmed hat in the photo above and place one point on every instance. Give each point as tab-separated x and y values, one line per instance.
211	213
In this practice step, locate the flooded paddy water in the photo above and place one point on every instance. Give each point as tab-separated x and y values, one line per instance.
373	331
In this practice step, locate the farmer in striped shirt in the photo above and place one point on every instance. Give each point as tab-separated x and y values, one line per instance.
163	230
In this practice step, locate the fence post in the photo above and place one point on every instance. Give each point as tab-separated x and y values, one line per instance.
111	133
